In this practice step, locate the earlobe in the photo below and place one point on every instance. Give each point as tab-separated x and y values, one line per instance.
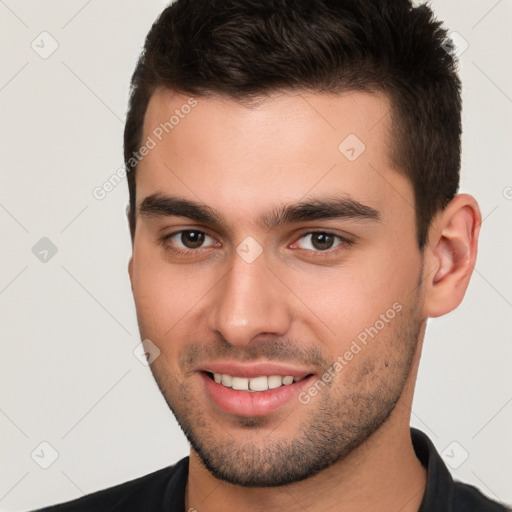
451	251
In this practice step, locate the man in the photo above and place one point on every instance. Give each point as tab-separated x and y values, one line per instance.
293	174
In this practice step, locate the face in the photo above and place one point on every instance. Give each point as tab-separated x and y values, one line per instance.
276	269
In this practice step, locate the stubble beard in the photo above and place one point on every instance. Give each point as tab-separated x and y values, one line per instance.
340	419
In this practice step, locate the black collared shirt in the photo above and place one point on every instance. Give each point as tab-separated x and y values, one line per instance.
164	490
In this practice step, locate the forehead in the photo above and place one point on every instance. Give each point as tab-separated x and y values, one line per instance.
243	159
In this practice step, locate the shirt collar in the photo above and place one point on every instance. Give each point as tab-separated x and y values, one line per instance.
439	490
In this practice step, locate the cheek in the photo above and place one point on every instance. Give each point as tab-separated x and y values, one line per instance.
165	295
352	296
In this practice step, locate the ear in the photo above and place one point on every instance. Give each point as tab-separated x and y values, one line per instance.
130	270
131	223
450	255
130	261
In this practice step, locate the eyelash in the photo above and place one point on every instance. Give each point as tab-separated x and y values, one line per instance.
344	243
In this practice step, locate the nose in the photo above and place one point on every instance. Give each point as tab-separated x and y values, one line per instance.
248	302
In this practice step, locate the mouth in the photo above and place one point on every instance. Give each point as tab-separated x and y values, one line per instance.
256	395
253	384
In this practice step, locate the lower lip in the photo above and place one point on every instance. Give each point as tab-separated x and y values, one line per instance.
247	403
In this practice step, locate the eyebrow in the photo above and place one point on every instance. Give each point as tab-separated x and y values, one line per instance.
161	205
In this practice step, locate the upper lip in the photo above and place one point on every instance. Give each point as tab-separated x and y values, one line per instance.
250	370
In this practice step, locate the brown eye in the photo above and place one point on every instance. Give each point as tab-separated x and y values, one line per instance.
192	239
188	240
320	241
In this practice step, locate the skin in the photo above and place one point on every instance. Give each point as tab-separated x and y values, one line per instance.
293	302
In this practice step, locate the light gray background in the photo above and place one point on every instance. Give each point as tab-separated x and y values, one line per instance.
68	326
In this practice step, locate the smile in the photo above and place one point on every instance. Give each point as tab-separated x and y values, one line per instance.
260	383
256	395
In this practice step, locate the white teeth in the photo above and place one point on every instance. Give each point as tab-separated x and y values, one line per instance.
240	383
274	381
256	383
226	380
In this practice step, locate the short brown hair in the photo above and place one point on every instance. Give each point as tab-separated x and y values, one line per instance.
248	48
